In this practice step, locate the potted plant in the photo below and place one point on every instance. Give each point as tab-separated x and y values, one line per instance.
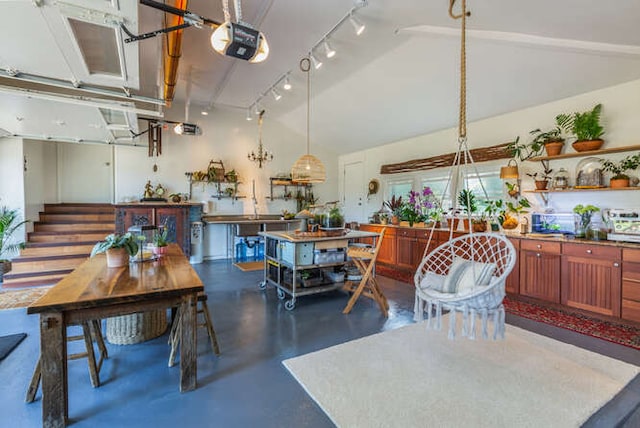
618	169
410	214
334	218
510	221
395	205
493	210
467	201
523	151
551	140
512	189
118	249
585	126
584	212
160	242
9	223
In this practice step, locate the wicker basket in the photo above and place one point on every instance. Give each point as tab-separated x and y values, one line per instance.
136	328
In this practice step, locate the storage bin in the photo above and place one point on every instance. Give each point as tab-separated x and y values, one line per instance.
298	254
332	276
334	255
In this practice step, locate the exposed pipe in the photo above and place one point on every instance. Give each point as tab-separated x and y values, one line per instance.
173	51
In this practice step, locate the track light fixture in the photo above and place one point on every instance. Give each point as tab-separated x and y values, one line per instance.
276	94
249	115
328	50
357	25
316	64
287	84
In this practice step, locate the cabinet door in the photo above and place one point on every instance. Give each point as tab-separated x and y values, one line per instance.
540	275
592	284
404	248
512	283
133	216
387	252
631	284
175	219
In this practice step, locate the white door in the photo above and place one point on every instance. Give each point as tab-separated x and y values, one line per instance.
85	173
353	192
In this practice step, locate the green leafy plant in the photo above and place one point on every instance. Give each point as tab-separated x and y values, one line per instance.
584	125
114	240
493	209
336	219
160	237
409	213
585	209
519	207
467	201
524	151
9	223
618	169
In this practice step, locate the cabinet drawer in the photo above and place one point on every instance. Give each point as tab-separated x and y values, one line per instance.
540	246
408	233
630	310
591	250
631	290
630	255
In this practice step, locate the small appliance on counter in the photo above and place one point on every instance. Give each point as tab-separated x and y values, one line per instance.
625	224
553	223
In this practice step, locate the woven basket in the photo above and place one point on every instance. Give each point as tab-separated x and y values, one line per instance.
136	328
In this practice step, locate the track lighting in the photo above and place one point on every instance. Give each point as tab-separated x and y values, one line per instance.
276	94
249	115
287	84
328	50
316	64
256	109
357	25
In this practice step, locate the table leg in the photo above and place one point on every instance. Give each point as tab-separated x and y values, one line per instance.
53	353
188	348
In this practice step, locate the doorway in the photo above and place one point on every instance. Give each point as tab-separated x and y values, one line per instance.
353	192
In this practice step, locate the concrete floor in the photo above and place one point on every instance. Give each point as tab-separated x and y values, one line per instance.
246	386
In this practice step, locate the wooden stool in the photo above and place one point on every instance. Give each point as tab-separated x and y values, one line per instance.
365	259
174	335
91	331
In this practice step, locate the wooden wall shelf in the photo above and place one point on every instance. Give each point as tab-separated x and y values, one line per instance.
588	153
599	189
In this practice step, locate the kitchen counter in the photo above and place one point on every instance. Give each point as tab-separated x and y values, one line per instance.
246	219
157	204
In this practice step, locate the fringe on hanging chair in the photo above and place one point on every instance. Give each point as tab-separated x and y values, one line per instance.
418	309
485	321
472	321
465	320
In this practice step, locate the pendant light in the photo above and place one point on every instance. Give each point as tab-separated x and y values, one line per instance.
308	168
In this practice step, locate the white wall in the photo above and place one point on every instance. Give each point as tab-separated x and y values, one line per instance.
12	179
621	109
40	177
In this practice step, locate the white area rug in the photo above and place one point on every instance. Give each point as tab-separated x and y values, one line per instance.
414	377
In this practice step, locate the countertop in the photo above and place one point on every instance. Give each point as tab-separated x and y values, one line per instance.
246	219
292	237
157	204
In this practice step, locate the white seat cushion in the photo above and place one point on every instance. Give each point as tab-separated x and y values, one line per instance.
432	281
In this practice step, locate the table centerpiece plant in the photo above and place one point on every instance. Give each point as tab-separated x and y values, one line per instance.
160	241
118	248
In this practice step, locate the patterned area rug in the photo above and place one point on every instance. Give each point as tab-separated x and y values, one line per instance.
21	298
611	331
564	318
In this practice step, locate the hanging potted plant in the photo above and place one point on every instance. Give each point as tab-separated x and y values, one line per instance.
9	223
118	248
618	169
585	126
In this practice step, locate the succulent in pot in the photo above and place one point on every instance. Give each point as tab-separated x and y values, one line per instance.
160	241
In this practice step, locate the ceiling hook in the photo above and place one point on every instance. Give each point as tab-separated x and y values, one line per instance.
464	10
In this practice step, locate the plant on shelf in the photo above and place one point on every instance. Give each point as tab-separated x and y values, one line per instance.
395	206
585	212
117	247
410	214
541	179
618	169
9	224
493	210
231	176
585	126
552	140
524	151
507	217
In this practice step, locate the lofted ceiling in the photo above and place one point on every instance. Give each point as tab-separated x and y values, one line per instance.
396	80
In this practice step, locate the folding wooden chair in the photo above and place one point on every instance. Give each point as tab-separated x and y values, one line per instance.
365	260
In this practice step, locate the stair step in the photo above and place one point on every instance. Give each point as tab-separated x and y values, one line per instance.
22	265
85	236
69	208
46	217
108	227
63	249
41	274
31	281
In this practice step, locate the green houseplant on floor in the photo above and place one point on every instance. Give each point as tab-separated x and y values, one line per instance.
9	223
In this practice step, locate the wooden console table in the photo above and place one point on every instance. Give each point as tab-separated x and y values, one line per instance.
93	291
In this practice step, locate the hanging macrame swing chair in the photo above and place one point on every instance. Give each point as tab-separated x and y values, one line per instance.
466	274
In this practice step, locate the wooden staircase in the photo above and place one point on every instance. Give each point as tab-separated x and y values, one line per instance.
60	241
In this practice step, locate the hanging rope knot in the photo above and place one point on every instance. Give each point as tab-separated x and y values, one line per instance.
462	139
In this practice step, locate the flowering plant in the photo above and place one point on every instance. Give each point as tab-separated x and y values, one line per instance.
421	205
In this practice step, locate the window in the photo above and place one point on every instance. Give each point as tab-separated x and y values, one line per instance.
399	188
492	185
438	185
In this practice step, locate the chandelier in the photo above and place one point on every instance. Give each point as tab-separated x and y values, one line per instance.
262	155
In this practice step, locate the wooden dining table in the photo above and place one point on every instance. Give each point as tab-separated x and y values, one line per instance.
94	291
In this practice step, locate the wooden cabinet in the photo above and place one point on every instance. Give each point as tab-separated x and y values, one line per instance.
631	284
176	217
591	277
387	252
540	269
512	283
405	242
